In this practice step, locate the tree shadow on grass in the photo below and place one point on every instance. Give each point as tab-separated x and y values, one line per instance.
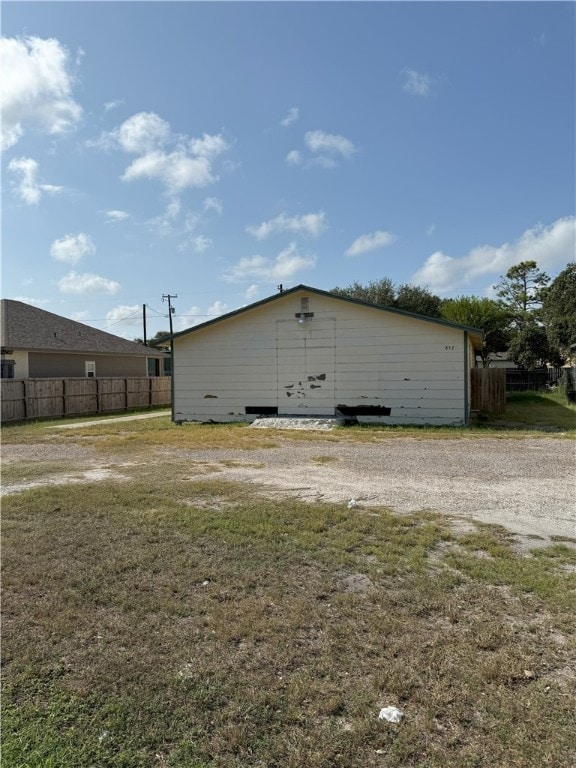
538	411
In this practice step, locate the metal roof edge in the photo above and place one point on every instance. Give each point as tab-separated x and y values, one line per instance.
319	291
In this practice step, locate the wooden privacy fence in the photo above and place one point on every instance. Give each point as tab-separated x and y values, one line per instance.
488	390
24	399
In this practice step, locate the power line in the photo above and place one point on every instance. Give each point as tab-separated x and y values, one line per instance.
121	320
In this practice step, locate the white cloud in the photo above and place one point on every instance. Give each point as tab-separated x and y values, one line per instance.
430	230
217	309
294	157
208	146
188	318
312	224
176	161
139	134
192	221
36	88
332	144
162	224
291	117
370	242
29	188
200	244
416	83
80	316
252	292
72	248
125	314
176	170
87	283
29	300
142	133
551	247
116	215
284	266
324	149
109	105
213	204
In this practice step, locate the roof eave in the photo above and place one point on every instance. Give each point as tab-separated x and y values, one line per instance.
477	333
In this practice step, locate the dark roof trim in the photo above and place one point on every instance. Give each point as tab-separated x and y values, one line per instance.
320	292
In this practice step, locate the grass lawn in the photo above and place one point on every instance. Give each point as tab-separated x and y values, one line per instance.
195	624
537	409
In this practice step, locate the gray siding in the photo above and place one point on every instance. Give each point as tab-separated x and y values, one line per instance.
43	365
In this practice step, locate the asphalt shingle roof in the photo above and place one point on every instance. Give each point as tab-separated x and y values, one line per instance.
27	327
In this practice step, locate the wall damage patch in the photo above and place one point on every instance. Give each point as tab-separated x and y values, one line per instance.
363	410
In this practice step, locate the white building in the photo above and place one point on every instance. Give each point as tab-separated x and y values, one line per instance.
309	352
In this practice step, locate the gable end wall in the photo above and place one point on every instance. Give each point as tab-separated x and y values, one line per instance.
344	354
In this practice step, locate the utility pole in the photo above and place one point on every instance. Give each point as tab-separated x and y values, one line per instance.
167	297
144	321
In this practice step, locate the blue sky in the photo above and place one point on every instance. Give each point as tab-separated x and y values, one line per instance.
215	150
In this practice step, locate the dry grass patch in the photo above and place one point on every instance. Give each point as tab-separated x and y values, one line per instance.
324	459
196	625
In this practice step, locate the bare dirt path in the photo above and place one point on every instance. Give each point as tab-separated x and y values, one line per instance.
134	417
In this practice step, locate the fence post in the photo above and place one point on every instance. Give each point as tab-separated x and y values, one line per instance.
24	399
26	407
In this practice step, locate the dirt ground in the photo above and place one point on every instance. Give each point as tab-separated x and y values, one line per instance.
527	485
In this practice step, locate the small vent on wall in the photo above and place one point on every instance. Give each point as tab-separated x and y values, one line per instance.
304	313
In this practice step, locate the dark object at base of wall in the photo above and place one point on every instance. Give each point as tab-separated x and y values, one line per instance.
363	410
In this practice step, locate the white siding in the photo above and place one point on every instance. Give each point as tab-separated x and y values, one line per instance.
20	358
346	354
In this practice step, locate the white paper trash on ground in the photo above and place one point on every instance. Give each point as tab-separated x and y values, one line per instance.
392	714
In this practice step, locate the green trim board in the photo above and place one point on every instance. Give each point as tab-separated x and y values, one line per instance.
476	334
466	380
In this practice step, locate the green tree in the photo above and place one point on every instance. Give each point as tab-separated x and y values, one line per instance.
375	292
156	340
559	310
530	348
410	298
413	298
521	292
480	313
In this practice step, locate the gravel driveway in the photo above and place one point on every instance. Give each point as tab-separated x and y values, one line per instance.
527	485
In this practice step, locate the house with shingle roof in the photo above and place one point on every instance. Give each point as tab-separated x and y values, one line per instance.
39	344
